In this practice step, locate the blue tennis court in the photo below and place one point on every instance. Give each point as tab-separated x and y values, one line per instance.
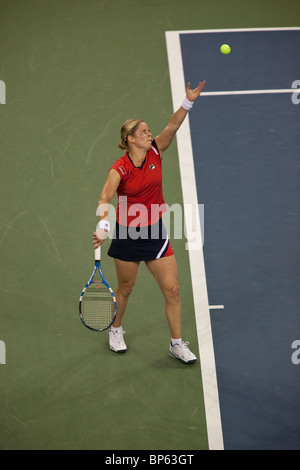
245	147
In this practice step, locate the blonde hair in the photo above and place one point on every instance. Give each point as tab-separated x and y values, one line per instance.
129	128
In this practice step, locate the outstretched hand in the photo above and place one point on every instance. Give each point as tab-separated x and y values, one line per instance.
196	92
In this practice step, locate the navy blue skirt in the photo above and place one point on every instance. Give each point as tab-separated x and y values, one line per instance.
140	243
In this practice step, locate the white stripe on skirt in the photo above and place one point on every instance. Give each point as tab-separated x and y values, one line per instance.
163	248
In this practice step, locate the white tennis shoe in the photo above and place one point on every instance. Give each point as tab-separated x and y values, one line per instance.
181	351
116	341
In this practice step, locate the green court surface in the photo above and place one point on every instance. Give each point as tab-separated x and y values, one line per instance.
74	72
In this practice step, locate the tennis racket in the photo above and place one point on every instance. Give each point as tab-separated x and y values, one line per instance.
97	303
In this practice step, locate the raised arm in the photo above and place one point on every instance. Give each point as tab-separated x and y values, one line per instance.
165	139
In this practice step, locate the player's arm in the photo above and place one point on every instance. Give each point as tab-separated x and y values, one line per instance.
164	140
109	189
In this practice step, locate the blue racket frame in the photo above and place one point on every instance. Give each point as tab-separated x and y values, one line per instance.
104	281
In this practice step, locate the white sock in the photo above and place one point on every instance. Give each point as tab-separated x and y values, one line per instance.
174	341
114	329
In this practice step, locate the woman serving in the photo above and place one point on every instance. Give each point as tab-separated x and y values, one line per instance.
140	234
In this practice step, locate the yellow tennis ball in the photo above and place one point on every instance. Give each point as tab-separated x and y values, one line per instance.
225	49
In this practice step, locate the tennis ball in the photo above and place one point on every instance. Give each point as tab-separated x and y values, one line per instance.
225	49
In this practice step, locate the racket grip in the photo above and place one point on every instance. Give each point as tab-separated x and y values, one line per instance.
98	253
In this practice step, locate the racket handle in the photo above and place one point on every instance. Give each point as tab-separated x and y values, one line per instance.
98	253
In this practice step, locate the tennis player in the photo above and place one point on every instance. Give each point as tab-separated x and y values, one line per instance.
139	233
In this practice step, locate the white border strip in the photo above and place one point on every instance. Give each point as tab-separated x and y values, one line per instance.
203	325
235	30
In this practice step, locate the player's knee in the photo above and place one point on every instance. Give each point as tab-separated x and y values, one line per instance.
175	290
172	291
126	288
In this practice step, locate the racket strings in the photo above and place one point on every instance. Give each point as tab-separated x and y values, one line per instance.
97	306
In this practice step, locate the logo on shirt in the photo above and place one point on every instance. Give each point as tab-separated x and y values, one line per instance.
151	166
122	170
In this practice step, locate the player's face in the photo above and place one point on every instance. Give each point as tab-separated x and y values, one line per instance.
143	136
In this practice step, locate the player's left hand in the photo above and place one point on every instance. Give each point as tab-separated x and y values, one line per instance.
196	92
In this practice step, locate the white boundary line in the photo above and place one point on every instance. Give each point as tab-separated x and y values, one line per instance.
234	30
249	92
203	325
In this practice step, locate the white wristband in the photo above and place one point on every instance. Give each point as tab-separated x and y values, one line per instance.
104	224
187	105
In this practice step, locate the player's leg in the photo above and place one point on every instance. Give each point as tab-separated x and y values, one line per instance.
165	272
126	274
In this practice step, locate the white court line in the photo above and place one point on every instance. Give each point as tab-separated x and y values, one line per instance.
216	307
249	92
202	314
234	30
